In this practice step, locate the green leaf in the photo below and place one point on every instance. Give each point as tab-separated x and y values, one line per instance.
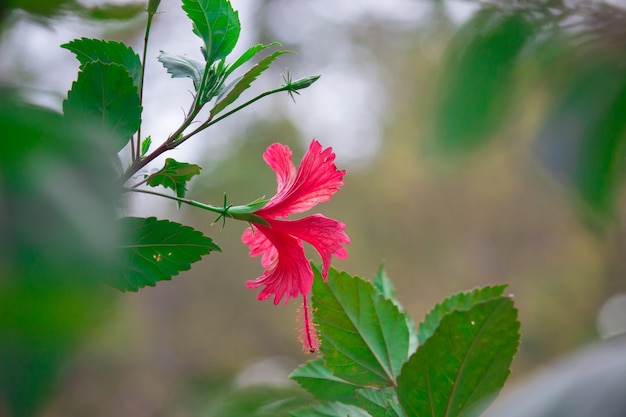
107	52
174	175
104	94
248	55
317	379
181	66
145	146
213	82
155	250
245	82
476	87
462	366
365	339
380	402
460	301
216	23
334	409
383	284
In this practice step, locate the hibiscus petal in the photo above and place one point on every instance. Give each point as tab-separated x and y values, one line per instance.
259	245
278	157
289	273
316	181
326	235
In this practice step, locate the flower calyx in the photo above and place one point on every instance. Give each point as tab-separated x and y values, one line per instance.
243	212
293	86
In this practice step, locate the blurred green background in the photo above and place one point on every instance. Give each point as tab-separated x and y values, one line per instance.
484	144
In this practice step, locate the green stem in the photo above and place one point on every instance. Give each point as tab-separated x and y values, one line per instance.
169	144
212	121
244	213
220	210
143	73
178	138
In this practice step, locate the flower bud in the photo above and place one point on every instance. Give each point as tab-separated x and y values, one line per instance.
302	82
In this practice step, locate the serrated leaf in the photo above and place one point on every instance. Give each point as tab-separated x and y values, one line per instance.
380	402
155	250
108	52
245	82
104	94
174	175
334	409
462	366
394	410
365	339
228	87
248	55
459	301
317	379
216	23
383	284
182	66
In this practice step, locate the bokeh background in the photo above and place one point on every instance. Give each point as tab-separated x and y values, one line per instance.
483	143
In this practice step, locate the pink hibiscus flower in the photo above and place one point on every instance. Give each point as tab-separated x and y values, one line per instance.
287	272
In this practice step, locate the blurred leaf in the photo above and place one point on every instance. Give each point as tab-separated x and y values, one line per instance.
113	11
380	402
365	339
107	52
320	381
155	250
48	8
181	66
245	82
462	366
583	143
216	23
174	175
460	301
52	8
104	97
257	401
58	192
475	86
248	55
383	284
331	410
58	195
